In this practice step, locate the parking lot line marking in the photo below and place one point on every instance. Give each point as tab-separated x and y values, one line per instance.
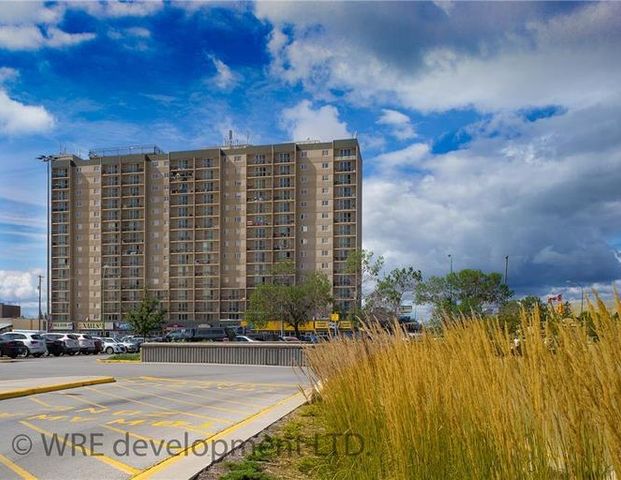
192	404
73	397
102	458
132	434
16	468
216	383
178	390
47	405
152	405
149	472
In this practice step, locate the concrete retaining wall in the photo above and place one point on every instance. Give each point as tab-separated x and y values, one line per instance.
251	353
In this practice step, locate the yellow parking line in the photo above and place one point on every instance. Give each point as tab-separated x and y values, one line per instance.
16	469
102	458
152	405
47	405
179	389
192	404
132	434
149	472
73	397
216	383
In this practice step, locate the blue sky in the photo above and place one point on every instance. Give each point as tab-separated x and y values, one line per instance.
487	129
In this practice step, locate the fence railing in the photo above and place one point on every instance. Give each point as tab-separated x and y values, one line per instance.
250	353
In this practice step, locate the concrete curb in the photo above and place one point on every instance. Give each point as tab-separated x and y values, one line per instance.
105	360
186	464
23	392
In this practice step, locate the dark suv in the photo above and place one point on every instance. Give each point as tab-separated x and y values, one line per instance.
12	348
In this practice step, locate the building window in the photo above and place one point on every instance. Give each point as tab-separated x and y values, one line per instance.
324	228
324	203
324	153
324	165
303	154
305	228
325	177
324	265
302	166
324	215
324	240
324	253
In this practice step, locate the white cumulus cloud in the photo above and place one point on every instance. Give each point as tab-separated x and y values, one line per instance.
303	122
18	118
402	128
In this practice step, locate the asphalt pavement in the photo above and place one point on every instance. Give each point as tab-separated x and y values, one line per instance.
119	430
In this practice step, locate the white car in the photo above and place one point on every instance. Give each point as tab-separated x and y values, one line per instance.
110	346
33	341
244	338
87	344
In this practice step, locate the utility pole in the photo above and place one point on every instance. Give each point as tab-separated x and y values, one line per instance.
506	268
40	312
450	256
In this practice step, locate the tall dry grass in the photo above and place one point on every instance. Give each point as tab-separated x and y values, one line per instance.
466	405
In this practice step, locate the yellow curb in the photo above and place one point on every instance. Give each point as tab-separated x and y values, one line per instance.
167	462
23	392
102	360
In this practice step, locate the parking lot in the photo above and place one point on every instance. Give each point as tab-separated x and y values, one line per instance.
117	430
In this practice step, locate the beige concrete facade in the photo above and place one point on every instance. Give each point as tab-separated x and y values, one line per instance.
199	229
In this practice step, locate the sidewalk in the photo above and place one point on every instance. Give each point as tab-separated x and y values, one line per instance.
31	386
188	463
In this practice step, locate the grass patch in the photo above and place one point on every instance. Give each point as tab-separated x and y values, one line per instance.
293	450
125	356
468	403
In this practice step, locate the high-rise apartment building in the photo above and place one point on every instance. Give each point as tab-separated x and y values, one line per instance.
198	229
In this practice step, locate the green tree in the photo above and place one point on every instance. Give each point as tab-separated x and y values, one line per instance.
393	287
146	317
468	291
291	302
367	268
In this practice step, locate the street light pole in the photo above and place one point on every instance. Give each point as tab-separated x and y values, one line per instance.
506	268
450	256
40	312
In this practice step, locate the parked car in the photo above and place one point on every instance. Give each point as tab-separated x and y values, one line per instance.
87	344
110	346
212	334
178	335
290	339
244	338
34	342
12	348
131	346
62	343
